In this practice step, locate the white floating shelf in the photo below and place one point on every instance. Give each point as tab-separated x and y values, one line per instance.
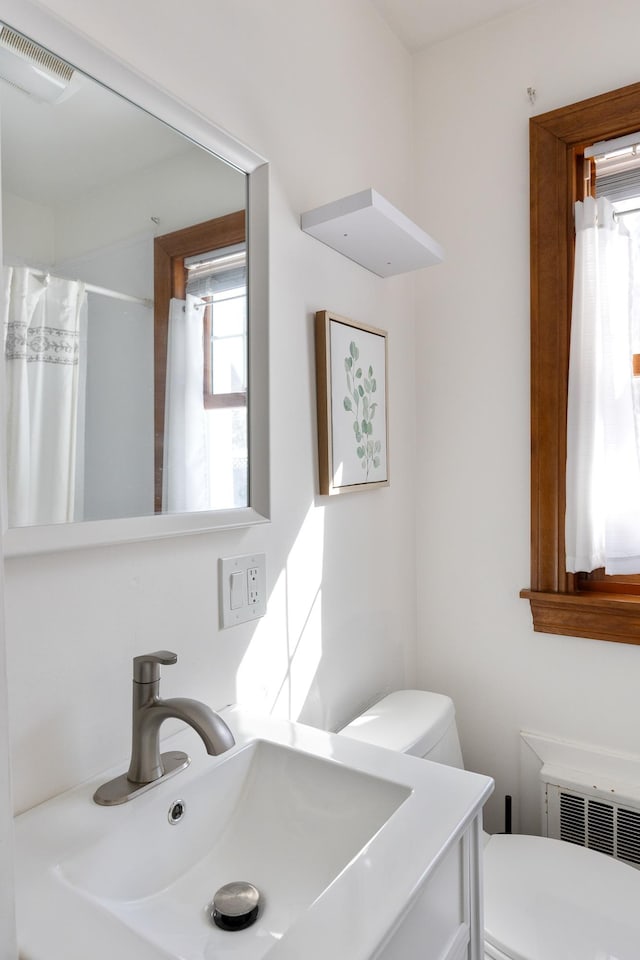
368	229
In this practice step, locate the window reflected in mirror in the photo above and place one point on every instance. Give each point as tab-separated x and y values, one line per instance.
125	363
201	366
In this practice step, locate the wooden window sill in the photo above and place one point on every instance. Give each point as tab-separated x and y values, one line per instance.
614	617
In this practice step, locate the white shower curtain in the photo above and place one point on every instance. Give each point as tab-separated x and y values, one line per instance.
603	464
41	323
185	474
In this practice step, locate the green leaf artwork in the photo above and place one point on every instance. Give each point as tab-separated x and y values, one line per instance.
359	403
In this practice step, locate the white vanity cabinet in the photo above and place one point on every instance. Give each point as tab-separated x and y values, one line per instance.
444	921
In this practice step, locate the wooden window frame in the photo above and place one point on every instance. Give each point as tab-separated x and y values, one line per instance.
562	603
169	252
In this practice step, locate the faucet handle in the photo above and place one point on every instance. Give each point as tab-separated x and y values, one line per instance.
146	668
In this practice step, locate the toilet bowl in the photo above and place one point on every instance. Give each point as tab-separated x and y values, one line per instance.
544	899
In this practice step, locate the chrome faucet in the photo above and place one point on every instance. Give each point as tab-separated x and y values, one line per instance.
148	766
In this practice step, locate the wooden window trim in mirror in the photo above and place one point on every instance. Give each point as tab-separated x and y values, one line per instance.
563	603
169	278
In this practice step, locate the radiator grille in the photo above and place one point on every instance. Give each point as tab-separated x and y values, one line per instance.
594	823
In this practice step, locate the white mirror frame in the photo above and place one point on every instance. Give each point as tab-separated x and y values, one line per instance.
44	28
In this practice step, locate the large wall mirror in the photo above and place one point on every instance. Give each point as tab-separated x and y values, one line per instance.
134	302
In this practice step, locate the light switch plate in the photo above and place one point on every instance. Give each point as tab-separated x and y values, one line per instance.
243	588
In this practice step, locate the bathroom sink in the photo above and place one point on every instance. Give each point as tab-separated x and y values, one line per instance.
280	819
324	827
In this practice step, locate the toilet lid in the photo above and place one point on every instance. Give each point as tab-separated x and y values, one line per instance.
551	900
407	721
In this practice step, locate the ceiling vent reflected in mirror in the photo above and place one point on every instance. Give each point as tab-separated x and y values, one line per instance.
30	68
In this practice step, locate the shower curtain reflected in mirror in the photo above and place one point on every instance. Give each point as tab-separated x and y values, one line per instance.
42	321
185	469
204	464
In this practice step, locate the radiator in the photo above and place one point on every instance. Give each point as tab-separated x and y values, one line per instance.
588	818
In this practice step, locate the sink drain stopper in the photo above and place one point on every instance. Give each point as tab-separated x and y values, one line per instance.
235	906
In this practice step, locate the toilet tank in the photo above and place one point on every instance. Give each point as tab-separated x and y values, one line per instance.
416	722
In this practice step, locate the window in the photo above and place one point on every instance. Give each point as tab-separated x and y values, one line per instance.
563	603
208	260
603	431
219	277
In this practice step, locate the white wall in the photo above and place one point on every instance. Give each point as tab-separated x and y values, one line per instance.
475	635
7	918
324	92
31	228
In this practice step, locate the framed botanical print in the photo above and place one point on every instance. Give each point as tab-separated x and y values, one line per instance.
351	378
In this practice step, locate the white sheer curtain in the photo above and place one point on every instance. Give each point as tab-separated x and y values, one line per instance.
185	474
603	463
41	323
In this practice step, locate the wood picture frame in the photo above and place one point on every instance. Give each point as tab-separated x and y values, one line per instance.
353	414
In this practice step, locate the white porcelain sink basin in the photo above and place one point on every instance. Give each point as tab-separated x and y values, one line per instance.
283	820
336	835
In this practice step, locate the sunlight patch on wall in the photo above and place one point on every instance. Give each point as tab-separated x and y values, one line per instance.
265	662
305	654
280	665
